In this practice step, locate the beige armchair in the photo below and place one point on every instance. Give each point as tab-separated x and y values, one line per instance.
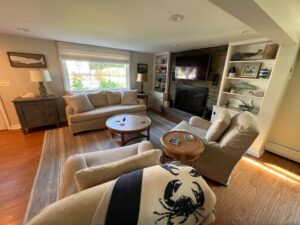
81	161
219	158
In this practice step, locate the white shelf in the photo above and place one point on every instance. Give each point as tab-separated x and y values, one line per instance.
159	64
248	79
236	94
254	61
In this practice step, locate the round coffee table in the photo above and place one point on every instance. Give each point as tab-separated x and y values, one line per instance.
186	150
129	124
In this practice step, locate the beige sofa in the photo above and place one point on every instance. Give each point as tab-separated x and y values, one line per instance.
220	157
96	118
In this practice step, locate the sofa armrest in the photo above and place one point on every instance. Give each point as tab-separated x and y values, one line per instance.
73	164
197	121
69	110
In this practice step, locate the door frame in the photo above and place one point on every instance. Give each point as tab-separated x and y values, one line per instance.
4	115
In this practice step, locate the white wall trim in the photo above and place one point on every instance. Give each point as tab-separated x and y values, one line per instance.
4	115
290	153
255	153
15	127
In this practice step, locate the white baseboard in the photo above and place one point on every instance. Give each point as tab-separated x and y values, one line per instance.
255	154
284	151
15	126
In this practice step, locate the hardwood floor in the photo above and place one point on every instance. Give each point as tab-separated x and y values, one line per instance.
261	191
19	159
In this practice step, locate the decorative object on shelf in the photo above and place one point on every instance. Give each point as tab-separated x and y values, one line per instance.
245	86
237	56
259	93
141	77
250	70
264	73
40	76
253	55
270	51
232	72
26	60
242	105
142	68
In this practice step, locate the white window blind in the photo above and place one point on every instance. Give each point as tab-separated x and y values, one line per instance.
88	67
87	52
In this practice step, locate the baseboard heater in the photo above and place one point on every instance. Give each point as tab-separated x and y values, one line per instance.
284	151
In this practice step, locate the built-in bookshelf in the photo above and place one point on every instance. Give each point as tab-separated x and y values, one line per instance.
161	79
247	72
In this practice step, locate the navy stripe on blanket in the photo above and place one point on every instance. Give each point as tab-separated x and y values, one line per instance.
124	204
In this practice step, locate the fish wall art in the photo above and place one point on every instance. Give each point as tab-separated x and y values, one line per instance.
27	60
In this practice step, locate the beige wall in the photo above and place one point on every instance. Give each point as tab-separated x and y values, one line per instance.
285	130
138	57
19	77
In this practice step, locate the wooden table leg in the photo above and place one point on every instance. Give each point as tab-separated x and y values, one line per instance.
148	134
123	140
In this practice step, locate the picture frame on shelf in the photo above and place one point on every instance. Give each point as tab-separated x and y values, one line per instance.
250	70
142	68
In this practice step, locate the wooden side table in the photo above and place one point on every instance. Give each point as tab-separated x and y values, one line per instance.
144	97
186	151
36	112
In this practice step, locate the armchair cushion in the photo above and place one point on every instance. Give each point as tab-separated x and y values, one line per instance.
93	176
219	126
144	146
241	133
184	126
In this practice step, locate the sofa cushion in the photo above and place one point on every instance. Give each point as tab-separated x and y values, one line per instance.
129	98
80	103
113	97
219	126
105	112
97	99
241	133
93	176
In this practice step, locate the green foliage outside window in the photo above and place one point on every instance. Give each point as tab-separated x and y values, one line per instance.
76	82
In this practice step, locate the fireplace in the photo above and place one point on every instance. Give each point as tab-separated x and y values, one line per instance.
191	99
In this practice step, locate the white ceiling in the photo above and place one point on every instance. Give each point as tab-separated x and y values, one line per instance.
139	25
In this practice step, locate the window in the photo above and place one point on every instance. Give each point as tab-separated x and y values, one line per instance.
86	75
88	67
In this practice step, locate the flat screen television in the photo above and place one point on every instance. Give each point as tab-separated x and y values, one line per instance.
192	67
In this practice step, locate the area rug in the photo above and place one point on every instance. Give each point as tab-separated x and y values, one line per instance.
59	144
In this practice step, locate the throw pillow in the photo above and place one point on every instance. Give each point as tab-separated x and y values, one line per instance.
218	127
80	103
97	99
129	98
92	176
113	98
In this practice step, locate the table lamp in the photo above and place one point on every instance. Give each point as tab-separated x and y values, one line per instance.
141	77
40	76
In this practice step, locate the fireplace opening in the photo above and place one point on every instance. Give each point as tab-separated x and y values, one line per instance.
191	99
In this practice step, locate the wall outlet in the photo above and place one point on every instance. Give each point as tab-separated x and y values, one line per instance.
5	83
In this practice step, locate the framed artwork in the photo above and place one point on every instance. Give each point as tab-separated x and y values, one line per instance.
27	60
250	70
142	68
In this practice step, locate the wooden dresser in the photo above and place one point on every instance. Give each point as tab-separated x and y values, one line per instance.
36	112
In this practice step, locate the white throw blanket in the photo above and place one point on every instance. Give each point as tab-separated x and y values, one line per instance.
165	194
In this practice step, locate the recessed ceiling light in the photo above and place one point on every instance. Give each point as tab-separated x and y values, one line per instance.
23	29
176	17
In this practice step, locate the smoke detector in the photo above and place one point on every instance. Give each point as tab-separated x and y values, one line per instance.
176	17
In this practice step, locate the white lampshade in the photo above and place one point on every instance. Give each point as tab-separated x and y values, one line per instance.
141	77
39	76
